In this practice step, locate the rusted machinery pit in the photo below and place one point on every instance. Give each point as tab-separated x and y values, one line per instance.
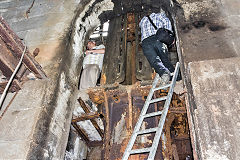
105	116
36	120
107	131
119	108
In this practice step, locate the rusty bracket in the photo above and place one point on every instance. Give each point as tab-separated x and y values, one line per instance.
87	111
80	132
16	47
84	136
89	116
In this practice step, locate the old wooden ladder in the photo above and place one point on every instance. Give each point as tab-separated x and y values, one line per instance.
158	130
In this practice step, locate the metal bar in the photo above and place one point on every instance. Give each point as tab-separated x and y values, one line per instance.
15	86
152	114
143	150
11	78
86	109
14	43
162	87
136	18
5	110
176	109
86	117
164	115
146	131
80	132
158	99
7	61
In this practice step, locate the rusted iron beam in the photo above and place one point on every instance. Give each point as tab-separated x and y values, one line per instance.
175	152
84	136
88	116
15	86
80	132
14	44
7	61
87	110
176	109
95	143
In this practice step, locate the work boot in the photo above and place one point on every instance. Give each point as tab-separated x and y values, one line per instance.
165	78
179	77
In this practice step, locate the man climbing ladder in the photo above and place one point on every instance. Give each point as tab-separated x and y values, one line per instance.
155	29
143	115
156	34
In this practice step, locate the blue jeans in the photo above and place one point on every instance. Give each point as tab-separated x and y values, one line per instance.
157	55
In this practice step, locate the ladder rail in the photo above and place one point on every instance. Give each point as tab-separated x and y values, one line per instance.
164	115
157	136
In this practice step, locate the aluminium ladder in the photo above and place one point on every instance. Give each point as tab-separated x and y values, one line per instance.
152	150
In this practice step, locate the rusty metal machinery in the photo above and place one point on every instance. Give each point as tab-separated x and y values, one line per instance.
121	106
11	49
124	87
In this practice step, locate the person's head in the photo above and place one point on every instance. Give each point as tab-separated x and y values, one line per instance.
91	44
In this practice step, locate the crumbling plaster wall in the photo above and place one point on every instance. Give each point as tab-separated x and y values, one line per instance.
38	123
209	51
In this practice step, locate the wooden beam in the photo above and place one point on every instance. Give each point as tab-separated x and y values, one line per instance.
87	110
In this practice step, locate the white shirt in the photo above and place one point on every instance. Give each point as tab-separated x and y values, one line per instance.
159	19
95	58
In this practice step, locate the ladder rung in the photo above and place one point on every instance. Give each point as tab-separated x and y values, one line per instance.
150	130
162	87
158	99
152	114
143	150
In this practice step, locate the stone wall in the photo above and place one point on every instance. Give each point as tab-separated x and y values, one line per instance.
216	91
208	30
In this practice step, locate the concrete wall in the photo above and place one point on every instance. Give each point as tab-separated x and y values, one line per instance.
216	91
209	51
